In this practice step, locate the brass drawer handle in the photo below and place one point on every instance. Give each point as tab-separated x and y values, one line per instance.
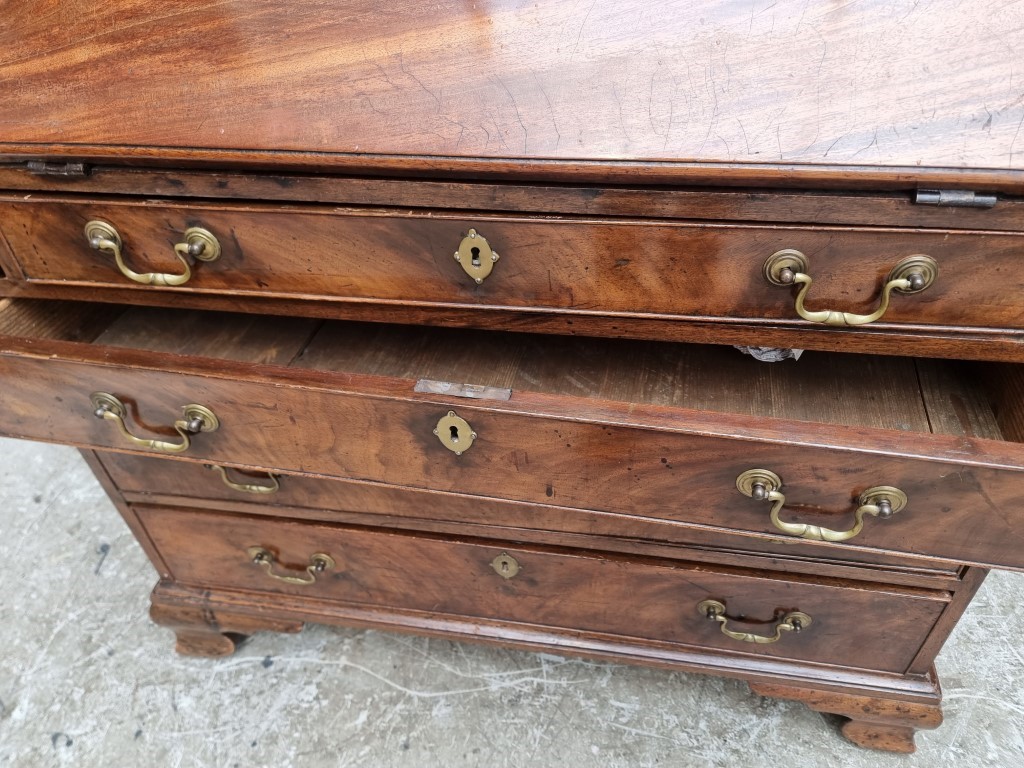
273	487
198	244
475	256
195	419
882	501
318	563
789	267
794	621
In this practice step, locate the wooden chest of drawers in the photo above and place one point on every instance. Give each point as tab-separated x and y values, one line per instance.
356	335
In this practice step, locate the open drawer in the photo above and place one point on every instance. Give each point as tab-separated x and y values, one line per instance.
917	457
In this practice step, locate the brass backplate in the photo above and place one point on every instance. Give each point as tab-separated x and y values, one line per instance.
505	565
455	433
102	401
195	411
475	256
745	482
788	258
922	265
101	230
897	499
211	248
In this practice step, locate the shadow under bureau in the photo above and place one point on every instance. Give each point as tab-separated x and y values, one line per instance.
355	327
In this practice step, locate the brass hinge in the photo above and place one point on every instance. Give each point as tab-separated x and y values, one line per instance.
954	198
43	168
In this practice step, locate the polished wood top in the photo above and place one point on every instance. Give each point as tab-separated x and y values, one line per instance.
445	85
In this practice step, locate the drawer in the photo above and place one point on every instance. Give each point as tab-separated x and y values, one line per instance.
626	268
656	431
159	480
850	625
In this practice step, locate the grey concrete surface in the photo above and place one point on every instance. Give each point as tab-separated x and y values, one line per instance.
87	680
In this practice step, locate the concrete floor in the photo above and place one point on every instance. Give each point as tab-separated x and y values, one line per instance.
87	680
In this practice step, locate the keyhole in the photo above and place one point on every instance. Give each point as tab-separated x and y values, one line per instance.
504	566
475	256
454	434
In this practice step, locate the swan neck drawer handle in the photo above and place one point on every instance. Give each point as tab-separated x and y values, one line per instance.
882	501
273	483
195	419
198	244
318	564
789	267
794	621
475	256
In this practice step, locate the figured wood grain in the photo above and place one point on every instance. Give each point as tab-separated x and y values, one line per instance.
631	267
561	588
156	480
614	440
655	461
661	460
858	84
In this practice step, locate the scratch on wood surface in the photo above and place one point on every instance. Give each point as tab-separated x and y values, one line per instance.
551	109
622	119
434	96
582	26
519	117
873	142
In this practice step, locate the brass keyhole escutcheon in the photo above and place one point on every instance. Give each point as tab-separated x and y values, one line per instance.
454	433
475	256
505	565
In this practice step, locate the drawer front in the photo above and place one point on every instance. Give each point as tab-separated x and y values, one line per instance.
622	267
571	589
658	463
152	480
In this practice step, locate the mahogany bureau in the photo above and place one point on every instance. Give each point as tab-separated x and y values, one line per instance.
421	316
